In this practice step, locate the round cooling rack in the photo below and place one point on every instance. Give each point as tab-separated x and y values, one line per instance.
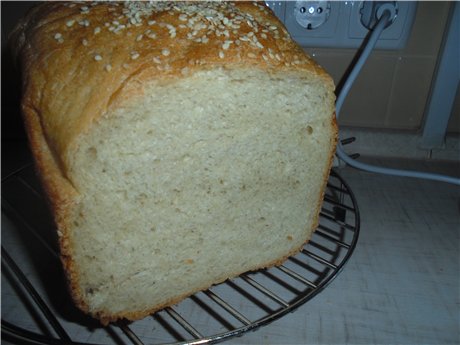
36	308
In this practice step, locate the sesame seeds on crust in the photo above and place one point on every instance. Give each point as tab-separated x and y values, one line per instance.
180	33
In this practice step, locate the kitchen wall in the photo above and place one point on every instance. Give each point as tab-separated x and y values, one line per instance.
392	90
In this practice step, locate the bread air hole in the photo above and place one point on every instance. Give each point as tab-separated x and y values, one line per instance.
309	130
92	152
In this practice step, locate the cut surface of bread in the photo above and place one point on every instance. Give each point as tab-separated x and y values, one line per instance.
178	178
198	181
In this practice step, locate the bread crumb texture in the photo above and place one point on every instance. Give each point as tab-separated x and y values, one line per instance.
195	139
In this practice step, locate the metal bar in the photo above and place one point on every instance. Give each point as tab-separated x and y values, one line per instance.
332	219
130	334
446	85
180	320
60	331
31	188
330	238
17	171
319	259
329	199
7	206
296	276
331	186
265	291
227	307
330	231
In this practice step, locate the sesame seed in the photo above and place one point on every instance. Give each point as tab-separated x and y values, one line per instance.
165	52
273	27
134	55
97	30
69	23
139	37
259	45
156	60
221	54
60	40
108	67
226	45
251	55
151	22
84	42
183	17
57	36
97	57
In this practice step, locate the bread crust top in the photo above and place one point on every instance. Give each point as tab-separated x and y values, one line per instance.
79	60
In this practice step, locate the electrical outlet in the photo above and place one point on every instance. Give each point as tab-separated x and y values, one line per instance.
395	35
342	24
312	14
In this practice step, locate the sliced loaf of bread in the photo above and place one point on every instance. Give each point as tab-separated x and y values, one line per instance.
179	144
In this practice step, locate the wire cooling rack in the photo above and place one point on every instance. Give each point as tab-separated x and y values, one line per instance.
36	307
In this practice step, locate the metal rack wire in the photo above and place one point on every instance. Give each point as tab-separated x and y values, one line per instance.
36	309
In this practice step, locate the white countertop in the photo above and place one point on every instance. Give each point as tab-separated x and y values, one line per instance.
401	285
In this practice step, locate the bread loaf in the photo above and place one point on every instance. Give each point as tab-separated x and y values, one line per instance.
179	144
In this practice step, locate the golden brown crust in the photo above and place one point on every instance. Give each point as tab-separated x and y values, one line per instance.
61	196
81	60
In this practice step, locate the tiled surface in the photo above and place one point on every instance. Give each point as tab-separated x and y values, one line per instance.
401	286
